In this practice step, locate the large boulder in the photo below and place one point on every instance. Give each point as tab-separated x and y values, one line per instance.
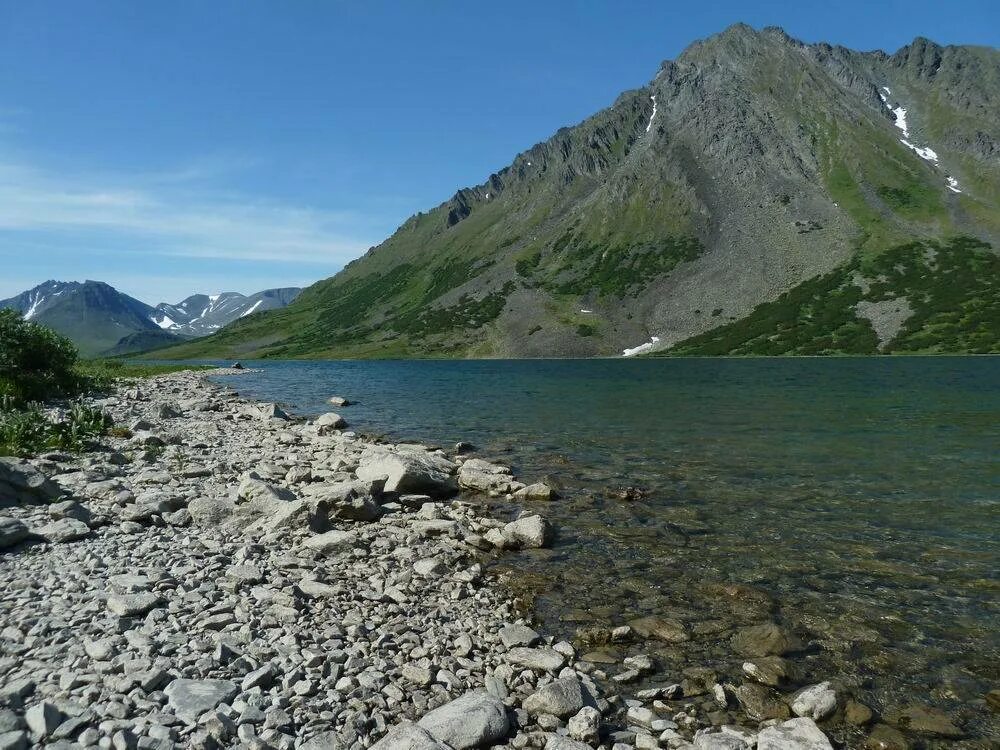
483	476
258	501
270	411
408	469
561	698
21	483
329	422
795	734
476	719
12	531
349	501
539	659
528	532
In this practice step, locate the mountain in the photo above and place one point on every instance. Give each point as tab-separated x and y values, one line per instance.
759	195
100	320
94	315
202	314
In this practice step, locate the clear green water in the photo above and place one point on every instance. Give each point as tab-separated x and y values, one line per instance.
862	494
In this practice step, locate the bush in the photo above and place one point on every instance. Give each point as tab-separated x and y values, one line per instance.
35	362
27	430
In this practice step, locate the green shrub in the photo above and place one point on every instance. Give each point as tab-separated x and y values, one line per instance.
35	362
26	430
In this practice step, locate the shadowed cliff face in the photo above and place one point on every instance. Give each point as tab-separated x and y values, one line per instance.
746	167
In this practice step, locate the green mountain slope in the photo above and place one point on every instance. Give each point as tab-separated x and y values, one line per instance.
753	166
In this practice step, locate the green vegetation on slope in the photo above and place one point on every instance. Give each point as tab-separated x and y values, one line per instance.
952	287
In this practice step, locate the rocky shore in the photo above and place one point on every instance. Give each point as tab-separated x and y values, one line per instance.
217	574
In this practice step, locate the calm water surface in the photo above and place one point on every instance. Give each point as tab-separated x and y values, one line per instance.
861	494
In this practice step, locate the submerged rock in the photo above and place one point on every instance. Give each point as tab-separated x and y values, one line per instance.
925	720
769	639
664	628
884	737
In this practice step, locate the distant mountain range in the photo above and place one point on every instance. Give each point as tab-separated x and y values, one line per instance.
760	195
100	320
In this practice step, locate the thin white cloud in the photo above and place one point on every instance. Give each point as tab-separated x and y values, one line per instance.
175	222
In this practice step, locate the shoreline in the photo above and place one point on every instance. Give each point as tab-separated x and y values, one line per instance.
226	576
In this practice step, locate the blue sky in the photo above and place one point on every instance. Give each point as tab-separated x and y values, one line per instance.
179	147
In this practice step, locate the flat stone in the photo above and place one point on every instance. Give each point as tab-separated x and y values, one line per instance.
719	741
476	719
190	699
63	530
795	734
331	541
541	659
662	628
924	720
518	635
133	605
316	589
406	736
559	742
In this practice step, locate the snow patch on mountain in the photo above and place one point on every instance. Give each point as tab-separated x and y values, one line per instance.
642	348
255	306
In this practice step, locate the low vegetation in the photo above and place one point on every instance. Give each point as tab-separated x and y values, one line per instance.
953	288
38	365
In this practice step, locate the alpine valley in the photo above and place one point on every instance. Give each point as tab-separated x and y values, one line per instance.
758	196
100	320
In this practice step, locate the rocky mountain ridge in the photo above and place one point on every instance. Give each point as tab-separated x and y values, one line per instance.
102	320
746	169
